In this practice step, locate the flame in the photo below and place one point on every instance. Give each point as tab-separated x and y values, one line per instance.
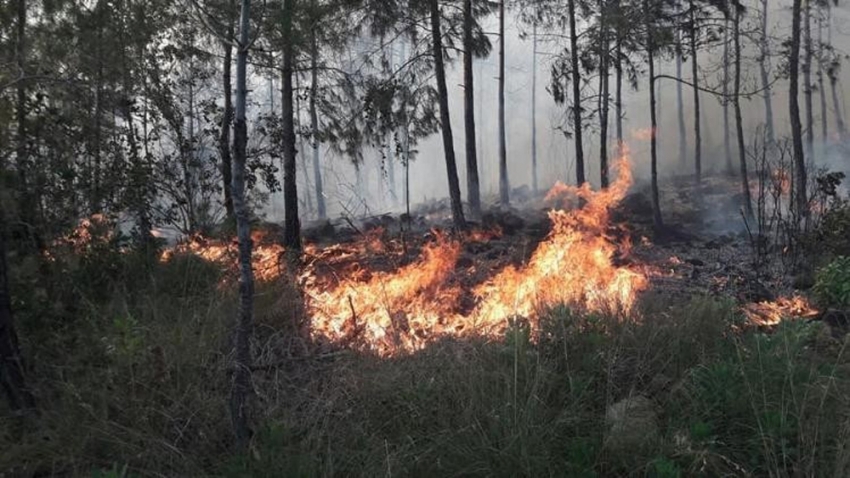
767	313
265	257
403	309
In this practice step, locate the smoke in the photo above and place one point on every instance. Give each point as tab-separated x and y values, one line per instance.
555	151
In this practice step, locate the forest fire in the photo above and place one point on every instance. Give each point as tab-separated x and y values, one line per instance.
768	313
266	257
403	310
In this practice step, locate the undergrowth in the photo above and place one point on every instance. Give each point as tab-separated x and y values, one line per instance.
130	366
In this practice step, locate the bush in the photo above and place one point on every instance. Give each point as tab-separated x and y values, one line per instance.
832	285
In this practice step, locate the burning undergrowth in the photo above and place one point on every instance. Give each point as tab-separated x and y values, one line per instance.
388	294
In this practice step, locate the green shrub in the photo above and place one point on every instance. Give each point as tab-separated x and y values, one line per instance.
832	284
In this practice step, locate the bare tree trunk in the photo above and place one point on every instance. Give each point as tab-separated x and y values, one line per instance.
473	188
445	118
306	192
739	122
821	86
242	386
765	78
504	185
680	102
697	113
314	128
292	225
605	99
618	66
832	72
534	184
807	79
650	49
727	145
576	80
226	121
794	106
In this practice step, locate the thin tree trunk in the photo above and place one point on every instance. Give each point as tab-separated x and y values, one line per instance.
473	188
308	194
576	80
504	185
650	48
445	118
807	79
821	86
727	145
680	102
794	107
226	121
534	183
314	128
292	225
138	187
832	72
765	78
739	122
242	387
697	113
618	66
605	99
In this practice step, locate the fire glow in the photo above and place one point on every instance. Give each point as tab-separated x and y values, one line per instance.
406	309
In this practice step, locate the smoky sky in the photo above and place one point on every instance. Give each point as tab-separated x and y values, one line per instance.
428	180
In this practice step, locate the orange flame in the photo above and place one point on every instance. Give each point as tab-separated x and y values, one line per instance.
406	309
768	313
403	310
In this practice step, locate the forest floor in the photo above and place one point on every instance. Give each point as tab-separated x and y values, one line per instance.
130	362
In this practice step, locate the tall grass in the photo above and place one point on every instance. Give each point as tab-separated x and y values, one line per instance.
130	370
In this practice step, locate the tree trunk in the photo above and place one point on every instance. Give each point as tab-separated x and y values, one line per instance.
576	80
765	78
292	225
534	184
302	158
618	66
473	188
821	86
650	49
832	72
727	145
807	80
26	186
445	118
242	387
695	73
314	129
739	122
226	121
12	376
604	96
794	107
680	102
137	188
504	186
